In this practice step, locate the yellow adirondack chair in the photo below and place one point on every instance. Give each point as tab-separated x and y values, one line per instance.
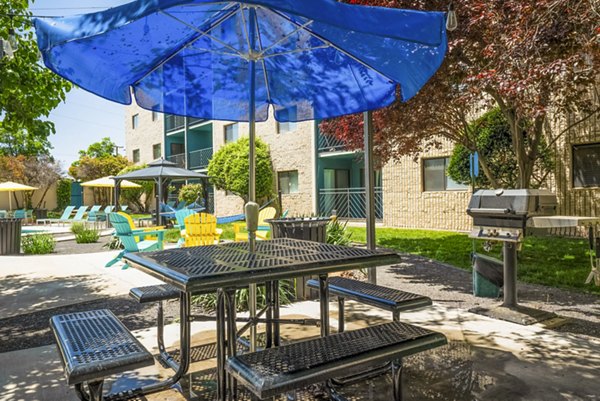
134	228
264	229
201	229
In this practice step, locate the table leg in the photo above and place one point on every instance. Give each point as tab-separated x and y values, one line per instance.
221	351
269	324
231	339
324	300
276	332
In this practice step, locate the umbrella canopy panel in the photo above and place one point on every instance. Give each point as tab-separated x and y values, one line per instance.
314	58
108	182
10	186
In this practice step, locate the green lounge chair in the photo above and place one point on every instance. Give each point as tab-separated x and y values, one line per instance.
67	212
127	236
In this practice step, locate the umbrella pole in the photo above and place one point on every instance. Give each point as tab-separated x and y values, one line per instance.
370	189
251	220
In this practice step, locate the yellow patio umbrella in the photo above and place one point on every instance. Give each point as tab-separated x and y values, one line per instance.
10	187
108	182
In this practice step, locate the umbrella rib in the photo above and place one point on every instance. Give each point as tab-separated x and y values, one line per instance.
204	33
250	49
303	26
187	45
333	45
262	61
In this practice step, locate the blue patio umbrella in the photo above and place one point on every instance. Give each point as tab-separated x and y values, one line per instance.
308	60
305	59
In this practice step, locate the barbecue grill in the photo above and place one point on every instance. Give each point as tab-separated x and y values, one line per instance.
503	215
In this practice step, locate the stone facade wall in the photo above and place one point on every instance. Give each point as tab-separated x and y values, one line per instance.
406	204
147	133
289	151
574	201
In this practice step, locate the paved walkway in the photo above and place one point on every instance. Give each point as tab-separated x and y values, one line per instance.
486	359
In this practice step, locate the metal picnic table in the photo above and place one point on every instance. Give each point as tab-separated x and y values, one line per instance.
223	268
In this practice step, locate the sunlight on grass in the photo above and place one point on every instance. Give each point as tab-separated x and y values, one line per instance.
552	261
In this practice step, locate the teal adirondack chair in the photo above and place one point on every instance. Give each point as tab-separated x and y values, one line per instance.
65	216
127	236
20	214
180	216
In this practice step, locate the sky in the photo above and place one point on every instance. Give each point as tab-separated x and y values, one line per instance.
83	118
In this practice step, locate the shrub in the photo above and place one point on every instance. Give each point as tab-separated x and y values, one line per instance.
208	302
337	233
77	228
63	193
38	244
87	236
190	193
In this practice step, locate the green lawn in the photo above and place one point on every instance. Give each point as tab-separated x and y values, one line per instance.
551	261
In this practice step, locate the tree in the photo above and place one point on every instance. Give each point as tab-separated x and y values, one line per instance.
493	139
229	169
535	59
28	91
190	193
106	147
140	198
41	172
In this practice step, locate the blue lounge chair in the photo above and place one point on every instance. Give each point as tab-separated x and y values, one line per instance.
78	218
127	236
66	213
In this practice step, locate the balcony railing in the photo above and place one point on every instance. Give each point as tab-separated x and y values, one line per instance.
175	123
178	159
328	143
200	158
348	202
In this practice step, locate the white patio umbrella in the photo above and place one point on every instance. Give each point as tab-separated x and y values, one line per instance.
11	187
109	182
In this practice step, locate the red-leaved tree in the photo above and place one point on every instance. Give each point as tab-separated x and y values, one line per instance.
537	60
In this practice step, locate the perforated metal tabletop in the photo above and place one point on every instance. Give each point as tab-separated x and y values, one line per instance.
231	264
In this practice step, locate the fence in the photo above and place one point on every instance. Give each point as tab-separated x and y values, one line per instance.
348	202
200	158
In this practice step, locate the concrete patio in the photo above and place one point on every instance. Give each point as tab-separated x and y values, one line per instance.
486	359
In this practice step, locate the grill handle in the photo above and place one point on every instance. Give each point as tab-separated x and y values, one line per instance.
490	211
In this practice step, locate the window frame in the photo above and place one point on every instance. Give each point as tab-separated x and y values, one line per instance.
135	121
154	115
574	148
291	125
134	153
154	147
446	177
280	174
225	132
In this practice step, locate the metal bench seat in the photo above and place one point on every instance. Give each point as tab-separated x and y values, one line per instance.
274	371
390	299
154	293
94	345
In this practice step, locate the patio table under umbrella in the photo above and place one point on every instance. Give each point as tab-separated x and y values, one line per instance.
11	187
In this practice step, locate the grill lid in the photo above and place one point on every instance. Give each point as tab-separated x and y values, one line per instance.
510	207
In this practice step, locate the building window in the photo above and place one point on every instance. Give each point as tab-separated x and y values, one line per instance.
435	177
136	155
288	113
135	121
288	181
586	165
156	151
154	115
231	132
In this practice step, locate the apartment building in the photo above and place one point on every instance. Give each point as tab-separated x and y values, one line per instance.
318	175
